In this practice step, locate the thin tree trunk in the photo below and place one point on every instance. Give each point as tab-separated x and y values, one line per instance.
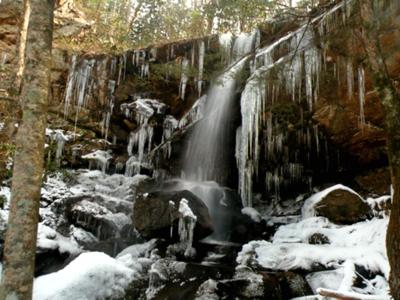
22	46
20	244
390	98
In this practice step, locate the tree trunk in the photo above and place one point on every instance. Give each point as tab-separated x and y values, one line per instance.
20	244
22	46
371	12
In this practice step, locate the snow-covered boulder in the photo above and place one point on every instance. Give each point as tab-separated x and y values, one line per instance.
92	275
153	214
340	204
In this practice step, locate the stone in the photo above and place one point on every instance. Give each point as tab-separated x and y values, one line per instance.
343	207
153	217
318	239
293	285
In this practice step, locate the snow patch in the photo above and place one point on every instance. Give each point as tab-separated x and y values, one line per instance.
252	213
92	275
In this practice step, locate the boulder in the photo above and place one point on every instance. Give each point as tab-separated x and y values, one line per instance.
104	219
339	204
153	215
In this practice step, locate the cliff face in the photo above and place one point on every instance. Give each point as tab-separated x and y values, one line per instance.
305	110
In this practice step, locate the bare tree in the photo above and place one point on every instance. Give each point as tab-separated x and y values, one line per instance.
20	244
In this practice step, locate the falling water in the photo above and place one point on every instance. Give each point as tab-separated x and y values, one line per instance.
206	157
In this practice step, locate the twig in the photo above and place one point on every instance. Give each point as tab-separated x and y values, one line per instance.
349	295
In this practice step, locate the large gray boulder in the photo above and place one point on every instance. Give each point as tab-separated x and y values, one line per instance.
153	214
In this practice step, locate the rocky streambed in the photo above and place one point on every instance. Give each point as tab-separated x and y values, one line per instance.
116	237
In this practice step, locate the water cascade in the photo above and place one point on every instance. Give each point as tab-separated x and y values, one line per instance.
205	157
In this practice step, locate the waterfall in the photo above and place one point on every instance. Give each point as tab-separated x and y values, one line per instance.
206	157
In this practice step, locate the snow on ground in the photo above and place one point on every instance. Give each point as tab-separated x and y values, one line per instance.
139	250
92	275
252	213
95	275
114	191
361	244
108	197
5	194
116	186
49	239
379	205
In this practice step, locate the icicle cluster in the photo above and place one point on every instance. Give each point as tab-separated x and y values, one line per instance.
60	137
100	158
187	222
141	140
169	126
289	66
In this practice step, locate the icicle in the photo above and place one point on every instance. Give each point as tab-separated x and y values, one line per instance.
187	222
201	67
132	166
171	206
70	85
350	78
277	183
3	58
361	93
248	156
316	136
184	77
169	126
145	70
153	55
225	42
60	145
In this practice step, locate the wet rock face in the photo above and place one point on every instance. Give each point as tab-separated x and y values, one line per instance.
153	214
343	207
375	182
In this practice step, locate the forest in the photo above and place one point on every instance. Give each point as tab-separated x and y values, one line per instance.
199	149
